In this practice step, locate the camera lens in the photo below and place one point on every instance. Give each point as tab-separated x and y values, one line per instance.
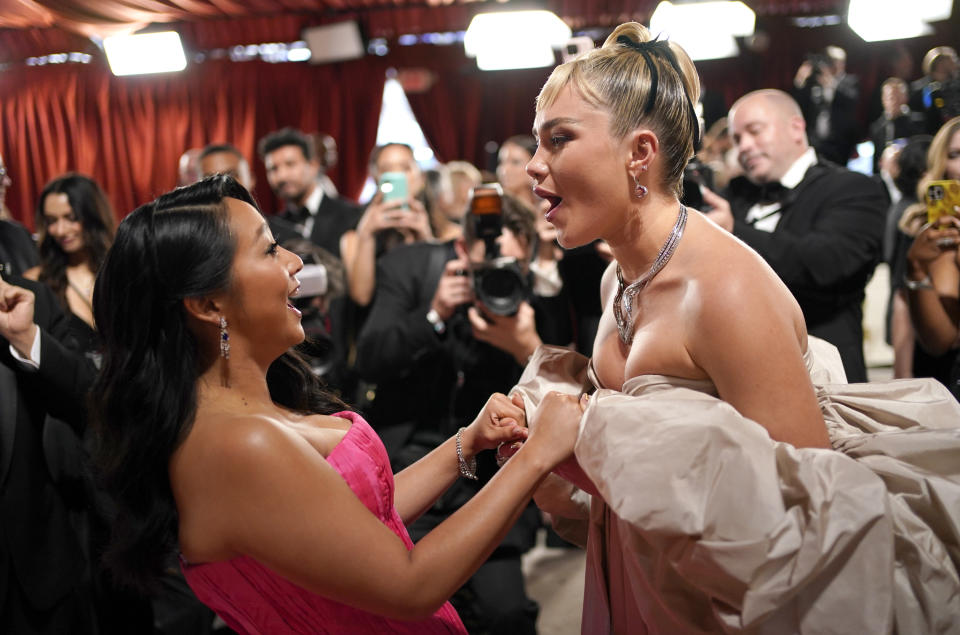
500	286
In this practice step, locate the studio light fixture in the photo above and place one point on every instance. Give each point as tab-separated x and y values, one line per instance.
515	39
877	20
705	30
145	53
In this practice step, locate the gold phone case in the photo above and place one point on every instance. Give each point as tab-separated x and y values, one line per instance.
942	199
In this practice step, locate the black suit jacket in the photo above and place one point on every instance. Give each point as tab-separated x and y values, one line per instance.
17	251
881	132
824	248
335	217
844	128
437	382
39	549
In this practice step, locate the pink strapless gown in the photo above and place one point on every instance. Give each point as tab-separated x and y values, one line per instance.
253	599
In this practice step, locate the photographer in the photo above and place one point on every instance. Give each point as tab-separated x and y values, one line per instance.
435	352
828	97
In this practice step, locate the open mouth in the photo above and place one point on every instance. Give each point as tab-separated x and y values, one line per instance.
290	297
551	198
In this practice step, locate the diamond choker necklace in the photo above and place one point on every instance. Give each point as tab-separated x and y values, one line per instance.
623	303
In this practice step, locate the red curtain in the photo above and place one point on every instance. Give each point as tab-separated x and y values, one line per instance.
128	133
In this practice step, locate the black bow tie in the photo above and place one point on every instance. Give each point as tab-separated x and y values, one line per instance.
773	192
298	215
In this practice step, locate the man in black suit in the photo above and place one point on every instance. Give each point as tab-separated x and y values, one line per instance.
436	357
293	172
828	98
44	575
818	225
310	213
17	251
898	121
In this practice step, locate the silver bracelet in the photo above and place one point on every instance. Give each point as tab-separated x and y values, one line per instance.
916	285
468	469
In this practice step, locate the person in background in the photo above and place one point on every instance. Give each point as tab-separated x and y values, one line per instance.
897	120
224	158
188	167
908	167
434	353
17	251
328	155
928	268
513	156
940	65
385	224
819	225
76	226
46	584
293	169
828	98
447	192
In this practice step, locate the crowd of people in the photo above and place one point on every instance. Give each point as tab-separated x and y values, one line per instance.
355	418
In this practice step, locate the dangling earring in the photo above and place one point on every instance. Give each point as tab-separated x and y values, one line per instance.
224	339
640	190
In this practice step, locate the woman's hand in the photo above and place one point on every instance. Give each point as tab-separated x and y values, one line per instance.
502	420
380	216
930	243
415	222
556	426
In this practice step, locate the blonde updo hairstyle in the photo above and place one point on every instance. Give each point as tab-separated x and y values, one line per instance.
617	77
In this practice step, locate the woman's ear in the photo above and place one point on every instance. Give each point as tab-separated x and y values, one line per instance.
644	147
203	309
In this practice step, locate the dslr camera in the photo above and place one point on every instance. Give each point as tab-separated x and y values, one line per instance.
498	282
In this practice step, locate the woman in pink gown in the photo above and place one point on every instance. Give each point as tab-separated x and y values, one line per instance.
219	444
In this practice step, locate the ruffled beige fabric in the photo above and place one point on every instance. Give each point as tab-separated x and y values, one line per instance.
704	524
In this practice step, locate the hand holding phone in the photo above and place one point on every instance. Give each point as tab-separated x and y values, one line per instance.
942	199
393	186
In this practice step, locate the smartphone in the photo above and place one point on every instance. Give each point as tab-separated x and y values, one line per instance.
393	185
942	199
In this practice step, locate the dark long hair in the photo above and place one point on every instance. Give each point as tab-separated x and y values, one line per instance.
144	401
93	210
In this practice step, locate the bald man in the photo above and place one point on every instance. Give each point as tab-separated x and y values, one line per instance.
818	225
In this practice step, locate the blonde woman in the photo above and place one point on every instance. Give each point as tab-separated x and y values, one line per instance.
703	483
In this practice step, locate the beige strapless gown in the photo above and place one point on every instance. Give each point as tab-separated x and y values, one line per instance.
705	524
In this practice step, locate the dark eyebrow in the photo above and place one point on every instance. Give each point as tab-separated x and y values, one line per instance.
546	125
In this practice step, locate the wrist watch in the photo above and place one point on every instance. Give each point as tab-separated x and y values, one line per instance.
914	285
434	319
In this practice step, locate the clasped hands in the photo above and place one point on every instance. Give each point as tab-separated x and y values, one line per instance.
503	424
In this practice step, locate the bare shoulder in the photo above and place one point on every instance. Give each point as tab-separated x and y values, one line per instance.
736	296
737	282
33	273
228	465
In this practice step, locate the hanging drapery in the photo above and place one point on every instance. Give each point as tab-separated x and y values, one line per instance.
128	133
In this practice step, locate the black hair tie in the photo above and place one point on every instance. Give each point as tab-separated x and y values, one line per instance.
657	45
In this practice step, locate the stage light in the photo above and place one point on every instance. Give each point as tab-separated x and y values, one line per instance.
705	30
145	53
515	39
877	20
